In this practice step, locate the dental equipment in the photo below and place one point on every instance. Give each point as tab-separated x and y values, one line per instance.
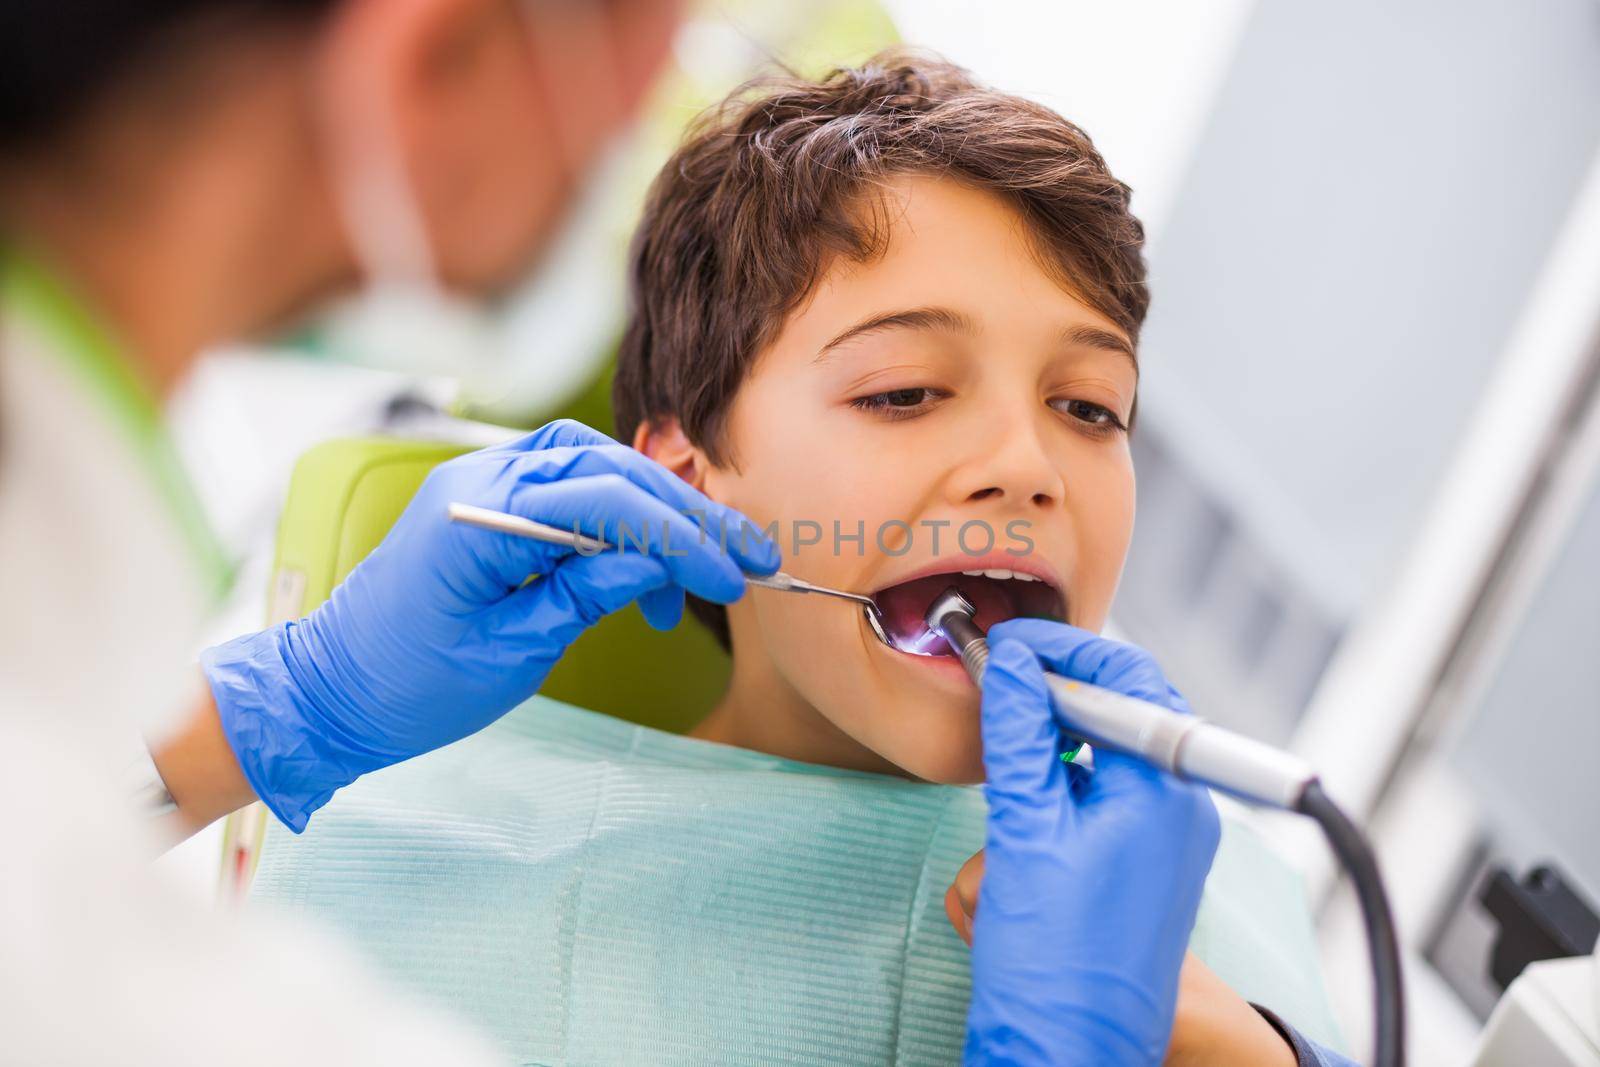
1183	745
517	526
1190	747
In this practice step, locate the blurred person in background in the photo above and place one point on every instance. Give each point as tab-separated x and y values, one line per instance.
182	173
176	174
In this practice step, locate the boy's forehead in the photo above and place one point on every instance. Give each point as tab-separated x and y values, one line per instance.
947	245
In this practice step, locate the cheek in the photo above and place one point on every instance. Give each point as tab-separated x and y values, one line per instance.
822	488
787	471
1103	512
815	647
797	630
881	705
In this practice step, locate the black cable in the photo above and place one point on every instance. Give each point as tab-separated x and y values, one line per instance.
1350	845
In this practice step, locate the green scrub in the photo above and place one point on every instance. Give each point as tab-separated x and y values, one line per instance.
72	334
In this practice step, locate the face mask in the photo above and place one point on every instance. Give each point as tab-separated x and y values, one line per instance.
539	348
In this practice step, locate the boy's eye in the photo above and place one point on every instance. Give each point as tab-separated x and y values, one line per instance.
1097	416
897	403
903	398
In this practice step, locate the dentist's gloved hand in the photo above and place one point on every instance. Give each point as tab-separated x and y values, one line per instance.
436	635
1092	878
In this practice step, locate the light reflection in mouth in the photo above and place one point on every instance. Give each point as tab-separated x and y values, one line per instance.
927	643
903	608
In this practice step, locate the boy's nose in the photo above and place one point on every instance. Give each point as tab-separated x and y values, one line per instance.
1010	463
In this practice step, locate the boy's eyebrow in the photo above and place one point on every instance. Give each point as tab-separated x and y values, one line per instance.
951	321
928	318
1094	337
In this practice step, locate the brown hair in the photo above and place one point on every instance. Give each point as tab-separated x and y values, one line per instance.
769	187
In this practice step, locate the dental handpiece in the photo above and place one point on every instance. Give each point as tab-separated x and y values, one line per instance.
1185	745
1192	748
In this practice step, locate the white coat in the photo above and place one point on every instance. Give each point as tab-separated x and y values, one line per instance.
104	575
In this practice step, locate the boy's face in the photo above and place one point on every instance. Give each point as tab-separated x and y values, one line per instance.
987	404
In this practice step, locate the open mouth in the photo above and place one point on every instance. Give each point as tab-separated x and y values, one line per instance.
996	594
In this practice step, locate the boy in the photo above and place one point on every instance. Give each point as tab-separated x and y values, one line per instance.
898	312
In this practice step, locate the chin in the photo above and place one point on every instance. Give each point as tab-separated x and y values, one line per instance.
941	756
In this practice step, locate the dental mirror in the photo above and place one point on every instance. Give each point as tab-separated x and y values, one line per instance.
516	525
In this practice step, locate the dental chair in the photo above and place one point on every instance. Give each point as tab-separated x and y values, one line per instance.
343	497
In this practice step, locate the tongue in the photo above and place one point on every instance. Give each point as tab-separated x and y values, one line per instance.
904	606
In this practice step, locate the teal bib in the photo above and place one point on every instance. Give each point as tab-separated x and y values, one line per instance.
593	892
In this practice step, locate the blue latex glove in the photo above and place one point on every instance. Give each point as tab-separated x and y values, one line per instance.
1091	880
435	635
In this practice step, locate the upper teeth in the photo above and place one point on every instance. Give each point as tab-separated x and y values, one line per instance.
1000	572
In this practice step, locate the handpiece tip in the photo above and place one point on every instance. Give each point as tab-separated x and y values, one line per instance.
952	616
946	602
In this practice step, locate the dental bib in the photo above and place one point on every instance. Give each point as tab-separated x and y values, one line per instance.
588	891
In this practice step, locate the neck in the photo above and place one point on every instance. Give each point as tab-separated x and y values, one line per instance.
183	234
763	712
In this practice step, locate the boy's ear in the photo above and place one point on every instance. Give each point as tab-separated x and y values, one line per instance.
664	441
